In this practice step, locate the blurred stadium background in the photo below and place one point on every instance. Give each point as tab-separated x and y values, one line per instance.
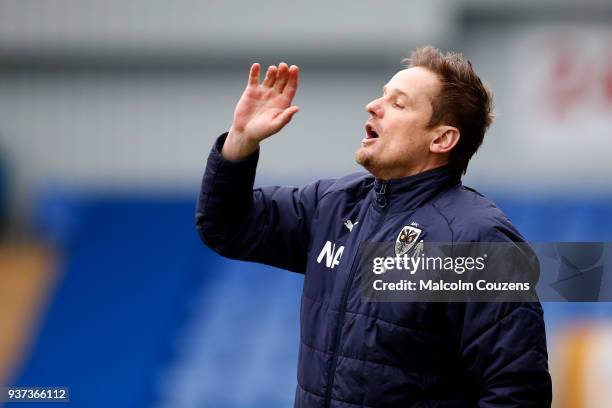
108	110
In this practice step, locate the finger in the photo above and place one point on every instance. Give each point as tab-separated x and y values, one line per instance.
254	75
285	116
292	83
282	77
270	76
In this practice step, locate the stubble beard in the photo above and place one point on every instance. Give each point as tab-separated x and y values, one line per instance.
366	160
380	169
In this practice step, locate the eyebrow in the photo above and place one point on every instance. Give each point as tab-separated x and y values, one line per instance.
396	90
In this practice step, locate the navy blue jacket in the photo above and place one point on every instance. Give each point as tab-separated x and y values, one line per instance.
380	354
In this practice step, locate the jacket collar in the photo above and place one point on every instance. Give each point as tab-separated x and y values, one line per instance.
410	192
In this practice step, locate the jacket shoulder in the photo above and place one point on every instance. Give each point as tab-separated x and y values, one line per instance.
473	217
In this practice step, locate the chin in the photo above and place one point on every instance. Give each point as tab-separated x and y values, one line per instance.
362	157
365	159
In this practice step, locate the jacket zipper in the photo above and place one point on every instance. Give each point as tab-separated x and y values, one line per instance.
345	292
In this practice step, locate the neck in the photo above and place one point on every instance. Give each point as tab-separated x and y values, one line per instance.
396	173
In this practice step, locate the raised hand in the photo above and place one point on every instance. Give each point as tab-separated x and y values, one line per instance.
263	109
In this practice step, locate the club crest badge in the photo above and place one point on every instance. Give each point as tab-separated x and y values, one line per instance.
406	239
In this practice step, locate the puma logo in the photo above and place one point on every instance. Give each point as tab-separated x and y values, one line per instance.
349	224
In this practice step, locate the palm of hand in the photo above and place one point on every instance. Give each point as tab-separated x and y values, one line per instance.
265	108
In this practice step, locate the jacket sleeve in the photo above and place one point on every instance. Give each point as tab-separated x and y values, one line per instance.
503	344
268	225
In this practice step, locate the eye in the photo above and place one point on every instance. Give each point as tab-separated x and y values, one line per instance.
397	105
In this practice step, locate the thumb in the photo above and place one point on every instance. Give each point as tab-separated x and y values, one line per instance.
285	116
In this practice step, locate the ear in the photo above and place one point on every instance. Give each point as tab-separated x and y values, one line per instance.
447	138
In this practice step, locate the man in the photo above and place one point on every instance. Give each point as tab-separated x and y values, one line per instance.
418	140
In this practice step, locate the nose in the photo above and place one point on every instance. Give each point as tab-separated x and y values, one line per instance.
374	108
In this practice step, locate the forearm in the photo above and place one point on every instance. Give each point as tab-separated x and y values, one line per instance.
225	196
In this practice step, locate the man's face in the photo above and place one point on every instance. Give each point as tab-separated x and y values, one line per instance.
397	141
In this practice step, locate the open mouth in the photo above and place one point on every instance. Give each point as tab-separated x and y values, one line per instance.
370	132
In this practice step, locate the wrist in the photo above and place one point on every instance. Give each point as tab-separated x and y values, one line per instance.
237	147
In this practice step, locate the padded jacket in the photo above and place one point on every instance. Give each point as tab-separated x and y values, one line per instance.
355	353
